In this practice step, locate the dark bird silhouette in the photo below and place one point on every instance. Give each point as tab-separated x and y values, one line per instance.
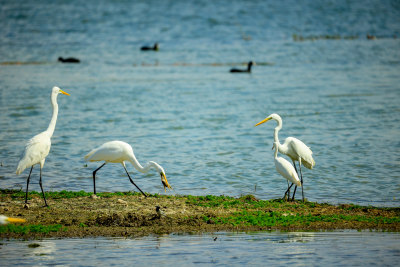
148	48
251	63
68	60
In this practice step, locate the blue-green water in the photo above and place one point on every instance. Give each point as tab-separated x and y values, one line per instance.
183	109
339	248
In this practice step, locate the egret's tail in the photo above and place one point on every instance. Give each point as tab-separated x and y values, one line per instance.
295	179
297	182
308	164
21	167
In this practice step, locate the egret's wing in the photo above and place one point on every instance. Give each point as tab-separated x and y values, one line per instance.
36	149
106	152
287	170
302	151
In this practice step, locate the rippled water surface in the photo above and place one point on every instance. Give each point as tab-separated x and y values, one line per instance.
183	109
335	89
347	248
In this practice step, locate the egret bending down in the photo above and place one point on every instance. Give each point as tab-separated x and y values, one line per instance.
38	147
293	148
119	152
286	170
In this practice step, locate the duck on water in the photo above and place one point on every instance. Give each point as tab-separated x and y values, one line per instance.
69	60
148	48
248	70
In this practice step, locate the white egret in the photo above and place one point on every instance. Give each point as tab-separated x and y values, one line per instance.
119	152
286	170
6	220
38	147
293	148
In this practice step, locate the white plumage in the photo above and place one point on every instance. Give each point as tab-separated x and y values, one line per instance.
114	152
286	169
295	149
38	147
119	152
36	151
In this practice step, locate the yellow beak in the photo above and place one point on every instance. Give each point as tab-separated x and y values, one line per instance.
264	120
16	220
165	183
65	93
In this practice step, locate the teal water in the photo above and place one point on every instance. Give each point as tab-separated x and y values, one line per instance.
339	248
183	109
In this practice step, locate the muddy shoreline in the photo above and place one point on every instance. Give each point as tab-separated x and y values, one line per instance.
126	214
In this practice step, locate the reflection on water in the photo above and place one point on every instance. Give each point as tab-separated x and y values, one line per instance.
275	248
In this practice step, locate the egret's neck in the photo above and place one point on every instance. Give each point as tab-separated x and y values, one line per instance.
138	166
278	145
53	121
276	131
276	137
276	150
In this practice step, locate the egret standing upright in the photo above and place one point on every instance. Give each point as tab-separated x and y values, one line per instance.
119	152
293	148
38	147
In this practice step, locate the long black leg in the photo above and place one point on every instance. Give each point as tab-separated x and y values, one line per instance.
284	196
288	190
295	188
301	180
133	182
41	187
27	185
94	177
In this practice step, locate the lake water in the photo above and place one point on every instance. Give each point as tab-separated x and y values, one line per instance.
339	248
183	109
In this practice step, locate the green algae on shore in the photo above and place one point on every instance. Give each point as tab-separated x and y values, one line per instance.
80	214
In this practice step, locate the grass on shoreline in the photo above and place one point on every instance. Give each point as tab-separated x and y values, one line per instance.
130	214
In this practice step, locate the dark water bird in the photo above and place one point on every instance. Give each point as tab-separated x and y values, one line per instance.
148	48
69	60
251	63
